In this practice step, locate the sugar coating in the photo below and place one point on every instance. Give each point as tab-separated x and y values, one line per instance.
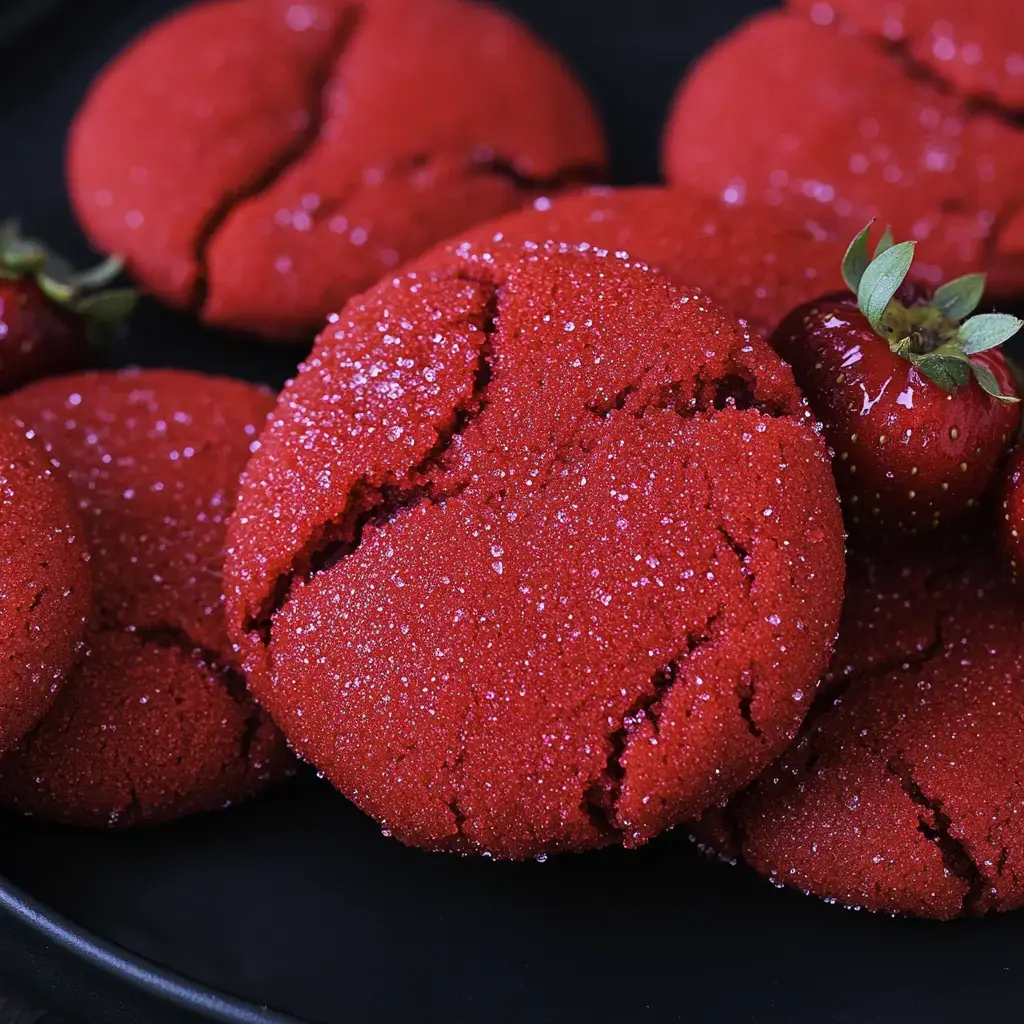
977	48
147	732
44	584
537	553
785	109
154	722
904	794
755	261
263	160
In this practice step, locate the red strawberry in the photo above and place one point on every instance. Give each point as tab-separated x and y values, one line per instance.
51	317
918	405
1011	524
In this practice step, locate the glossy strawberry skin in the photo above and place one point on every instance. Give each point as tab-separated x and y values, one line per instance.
1011	513
38	338
908	457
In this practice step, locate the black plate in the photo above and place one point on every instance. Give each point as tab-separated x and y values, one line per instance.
297	902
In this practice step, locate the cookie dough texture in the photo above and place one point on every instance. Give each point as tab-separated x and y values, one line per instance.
538	553
756	262
154	722
785	110
903	795
260	161
45	584
976	48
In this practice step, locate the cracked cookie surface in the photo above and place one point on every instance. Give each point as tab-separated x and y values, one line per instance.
977	48
818	113
538	553
261	161
903	794
154	722
756	262
44	583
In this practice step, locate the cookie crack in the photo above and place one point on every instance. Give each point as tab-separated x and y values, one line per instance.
501	166
336	206
602	794
824	702
602	408
1004	856
630	401
746	691
234	685
372	504
934	825
733	391
456	774
173	636
466	167
233	681
133	809
290	155
922	72
746	687
739	550
829	695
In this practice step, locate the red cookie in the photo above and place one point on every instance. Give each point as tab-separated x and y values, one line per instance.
260	161
976	47
44	584
785	109
904	794
755	261
495	572
1011	521
155	722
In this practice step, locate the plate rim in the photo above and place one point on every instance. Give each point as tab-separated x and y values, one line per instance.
138	971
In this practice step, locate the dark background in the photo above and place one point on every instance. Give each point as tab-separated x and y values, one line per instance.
297	902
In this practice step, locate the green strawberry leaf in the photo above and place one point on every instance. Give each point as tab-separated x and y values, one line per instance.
950	370
25	257
885	242
882	279
987	330
960	297
22	255
987	379
57	269
99	276
108	307
56	291
856	260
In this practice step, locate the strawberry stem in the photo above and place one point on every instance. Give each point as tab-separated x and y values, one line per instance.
83	293
934	336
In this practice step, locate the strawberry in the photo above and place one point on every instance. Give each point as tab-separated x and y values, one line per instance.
51	317
917	403
1011	523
